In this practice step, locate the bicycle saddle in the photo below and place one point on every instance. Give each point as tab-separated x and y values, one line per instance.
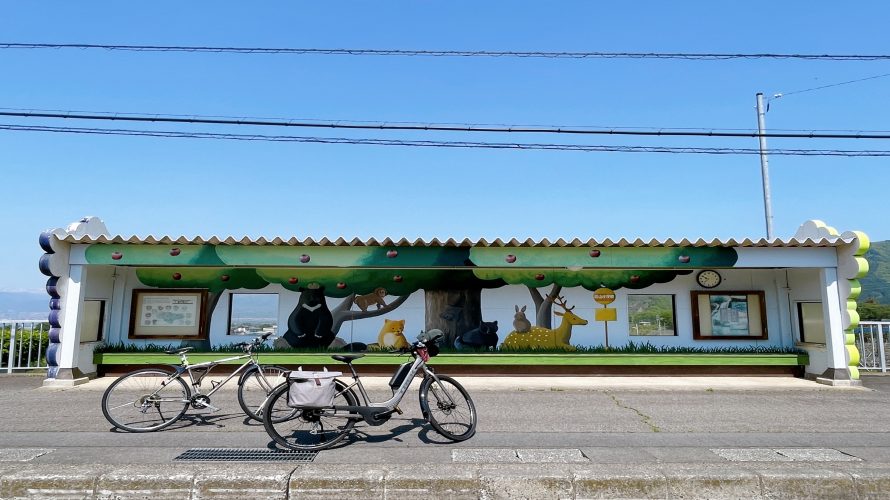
179	351
347	358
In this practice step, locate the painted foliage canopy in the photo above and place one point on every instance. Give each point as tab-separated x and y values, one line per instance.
402	270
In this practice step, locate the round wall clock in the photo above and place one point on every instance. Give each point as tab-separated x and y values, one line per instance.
708	278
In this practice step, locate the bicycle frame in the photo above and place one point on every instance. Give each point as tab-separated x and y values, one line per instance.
378	413
209	365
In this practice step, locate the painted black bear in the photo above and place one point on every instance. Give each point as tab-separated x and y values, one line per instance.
486	336
309	325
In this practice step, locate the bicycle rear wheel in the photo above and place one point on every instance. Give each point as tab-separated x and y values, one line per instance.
145	400
448	407
255	388
308	428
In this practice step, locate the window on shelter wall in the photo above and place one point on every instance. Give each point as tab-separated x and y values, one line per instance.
253	313
651	315
92	321
810	322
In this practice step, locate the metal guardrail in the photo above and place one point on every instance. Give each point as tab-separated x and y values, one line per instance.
871	340
23	345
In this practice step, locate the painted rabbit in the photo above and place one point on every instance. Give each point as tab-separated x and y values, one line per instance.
521	324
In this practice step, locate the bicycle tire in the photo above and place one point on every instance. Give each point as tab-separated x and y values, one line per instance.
308	429
256	386
130	402
453	418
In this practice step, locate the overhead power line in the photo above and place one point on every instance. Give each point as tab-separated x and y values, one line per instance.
442	144
452	53
430	126
783	94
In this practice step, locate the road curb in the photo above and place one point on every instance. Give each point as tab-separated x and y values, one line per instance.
458	481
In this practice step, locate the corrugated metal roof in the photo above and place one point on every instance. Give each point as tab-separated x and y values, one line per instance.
451	242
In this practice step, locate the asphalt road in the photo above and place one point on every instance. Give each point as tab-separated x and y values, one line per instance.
608	425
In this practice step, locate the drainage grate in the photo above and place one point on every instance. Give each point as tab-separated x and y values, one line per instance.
246	455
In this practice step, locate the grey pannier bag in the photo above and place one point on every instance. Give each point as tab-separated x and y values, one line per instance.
308	388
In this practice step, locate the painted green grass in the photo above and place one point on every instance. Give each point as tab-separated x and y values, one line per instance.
629	348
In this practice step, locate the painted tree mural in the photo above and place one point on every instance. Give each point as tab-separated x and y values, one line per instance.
591	268
374	278
452	296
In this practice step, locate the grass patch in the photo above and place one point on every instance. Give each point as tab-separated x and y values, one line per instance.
629	348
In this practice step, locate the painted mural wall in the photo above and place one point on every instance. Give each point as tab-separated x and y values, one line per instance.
381	321
458	290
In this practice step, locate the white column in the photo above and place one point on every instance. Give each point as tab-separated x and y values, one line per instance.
72	310
832	314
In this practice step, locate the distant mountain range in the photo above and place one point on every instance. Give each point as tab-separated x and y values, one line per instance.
24	305
34	305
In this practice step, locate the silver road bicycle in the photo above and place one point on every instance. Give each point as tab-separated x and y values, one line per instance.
445	404
153	398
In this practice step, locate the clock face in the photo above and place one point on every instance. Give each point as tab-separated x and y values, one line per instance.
709	279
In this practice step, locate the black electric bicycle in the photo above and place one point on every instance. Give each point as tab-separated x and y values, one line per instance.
445	404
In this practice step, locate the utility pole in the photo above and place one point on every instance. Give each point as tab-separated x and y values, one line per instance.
764	168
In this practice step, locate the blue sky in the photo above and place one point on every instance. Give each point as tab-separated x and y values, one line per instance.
203	187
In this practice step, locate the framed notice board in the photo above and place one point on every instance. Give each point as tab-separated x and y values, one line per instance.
168	314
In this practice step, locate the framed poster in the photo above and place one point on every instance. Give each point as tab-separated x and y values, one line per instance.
167	314
728	316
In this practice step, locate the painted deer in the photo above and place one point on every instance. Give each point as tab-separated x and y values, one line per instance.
545	338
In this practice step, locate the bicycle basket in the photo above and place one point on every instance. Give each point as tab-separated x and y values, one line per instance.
307	388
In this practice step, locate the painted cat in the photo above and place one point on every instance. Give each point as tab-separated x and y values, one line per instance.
485	336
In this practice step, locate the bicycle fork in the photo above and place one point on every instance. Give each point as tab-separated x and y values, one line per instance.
438	391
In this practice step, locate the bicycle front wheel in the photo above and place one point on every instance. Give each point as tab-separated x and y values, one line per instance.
308	428
448	407
255	388
146	400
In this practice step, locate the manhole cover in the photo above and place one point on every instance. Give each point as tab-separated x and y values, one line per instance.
246	455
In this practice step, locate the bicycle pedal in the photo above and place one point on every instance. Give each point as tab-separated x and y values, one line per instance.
210	407
398	410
